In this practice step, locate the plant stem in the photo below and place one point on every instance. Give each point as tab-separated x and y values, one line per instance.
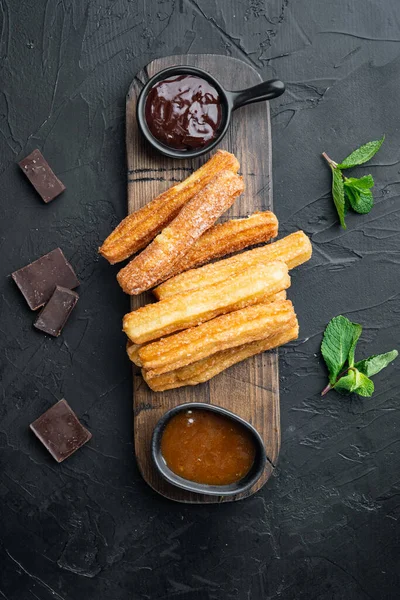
326	389
330	387
331	162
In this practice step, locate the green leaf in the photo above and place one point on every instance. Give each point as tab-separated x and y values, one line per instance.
357	329
347	205
338	194
355	382
365	386
372	365
362	154
347	383
362	183
337	342
361	201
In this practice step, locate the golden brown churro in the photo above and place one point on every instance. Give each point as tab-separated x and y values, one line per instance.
205	369
227	331
294	250
139	228
133	352
133	349
155	261
249	287
227	238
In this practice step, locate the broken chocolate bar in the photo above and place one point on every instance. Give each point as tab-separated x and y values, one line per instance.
41	176
38	280
54	315
60	431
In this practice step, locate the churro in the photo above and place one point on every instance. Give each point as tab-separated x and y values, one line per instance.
293	249
227	238
205	369
133	349
248	287
227	331
138	229
155	261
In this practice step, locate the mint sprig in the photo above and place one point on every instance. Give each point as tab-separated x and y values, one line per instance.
362	155
352	192
338	349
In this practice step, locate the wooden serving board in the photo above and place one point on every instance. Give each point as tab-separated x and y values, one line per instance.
251	388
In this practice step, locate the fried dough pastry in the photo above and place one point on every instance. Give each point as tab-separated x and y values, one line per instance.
293	249
138	229
248	287
227	331
133	349
133	352
227	238
205	369
155	261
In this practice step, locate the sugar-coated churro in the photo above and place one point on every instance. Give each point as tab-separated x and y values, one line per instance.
248	287
133	352
205	369
293	249
227	238
133	349
155	261
139	228
227	331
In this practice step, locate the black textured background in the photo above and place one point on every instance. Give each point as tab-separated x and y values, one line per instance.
327	525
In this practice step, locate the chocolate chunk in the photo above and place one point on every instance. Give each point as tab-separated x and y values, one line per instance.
38	280
41	176
54	315
60	431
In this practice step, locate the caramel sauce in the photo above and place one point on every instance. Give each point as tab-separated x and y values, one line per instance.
207	447
183	112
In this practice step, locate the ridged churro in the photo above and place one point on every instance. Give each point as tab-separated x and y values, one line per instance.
205	369
227	238
139	228
227	331
133	349
293	249
155	261
249	287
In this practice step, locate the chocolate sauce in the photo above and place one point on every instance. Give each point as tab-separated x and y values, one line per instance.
183	112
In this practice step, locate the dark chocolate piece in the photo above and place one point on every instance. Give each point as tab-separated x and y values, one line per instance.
60	431
54	315
41	176
38	280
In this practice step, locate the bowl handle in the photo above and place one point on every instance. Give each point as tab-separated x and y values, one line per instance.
258	93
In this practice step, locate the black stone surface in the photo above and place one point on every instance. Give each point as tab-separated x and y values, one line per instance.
327	525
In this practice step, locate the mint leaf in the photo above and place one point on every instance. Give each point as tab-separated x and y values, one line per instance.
338	349
347	383
355	382
361	155
361	201
337	343
362	183
365	386
357	329
372	365
338	194
347	204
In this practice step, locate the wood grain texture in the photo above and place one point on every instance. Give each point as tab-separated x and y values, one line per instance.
251	388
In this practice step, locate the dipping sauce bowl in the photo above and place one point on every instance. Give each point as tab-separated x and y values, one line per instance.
184	112
231	453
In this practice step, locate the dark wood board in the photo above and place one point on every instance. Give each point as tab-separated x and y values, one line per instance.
251	388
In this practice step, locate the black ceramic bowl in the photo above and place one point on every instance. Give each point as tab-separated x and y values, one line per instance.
212	490
230	101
